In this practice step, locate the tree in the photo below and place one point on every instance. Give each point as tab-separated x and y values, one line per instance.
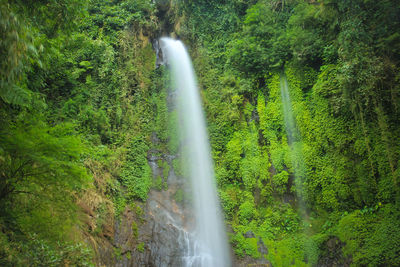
262	45
35	158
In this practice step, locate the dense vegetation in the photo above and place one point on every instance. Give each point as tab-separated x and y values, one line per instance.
75	124
80	99
339	178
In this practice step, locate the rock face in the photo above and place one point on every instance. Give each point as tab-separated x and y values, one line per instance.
158	238
161	236
251	262
333	254
157	233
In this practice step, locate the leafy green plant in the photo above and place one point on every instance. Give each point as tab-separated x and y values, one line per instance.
178	196
136	175
140	247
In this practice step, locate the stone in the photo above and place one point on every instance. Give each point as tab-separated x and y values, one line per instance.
262	248
249	234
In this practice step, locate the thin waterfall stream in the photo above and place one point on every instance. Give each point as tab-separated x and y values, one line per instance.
296	154
294	142
207	246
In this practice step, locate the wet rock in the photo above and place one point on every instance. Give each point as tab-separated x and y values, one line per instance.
161	236
249	234
248	261
251	262
160	61
154	138
163	5
125	235
262	248
333	254
164	247
158	235
254	116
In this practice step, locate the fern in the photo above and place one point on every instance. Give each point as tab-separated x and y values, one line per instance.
13	94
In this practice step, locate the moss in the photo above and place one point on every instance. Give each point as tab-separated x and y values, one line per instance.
136	174
166	169
165	185
135	230
160	163
176	164
158	183
245	246
140	247
247	210
178	196
118	253
119	205
173	136
251	248
286	252
139	211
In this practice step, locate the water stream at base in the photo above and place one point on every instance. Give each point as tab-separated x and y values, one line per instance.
206	245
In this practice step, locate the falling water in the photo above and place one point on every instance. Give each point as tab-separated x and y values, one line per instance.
295	144
210	243
290	125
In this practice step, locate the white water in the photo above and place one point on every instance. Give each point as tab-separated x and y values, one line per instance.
209	247
295	143
291	130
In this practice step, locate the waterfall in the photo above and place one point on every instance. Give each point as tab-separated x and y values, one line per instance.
295	144
290	125
209	240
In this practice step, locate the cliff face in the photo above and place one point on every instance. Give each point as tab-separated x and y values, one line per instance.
239	63
86	142
157	236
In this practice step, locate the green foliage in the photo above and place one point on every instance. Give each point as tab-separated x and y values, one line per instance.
233	156
140	247
136	175
286	252
118	253
343	157
42	172
86	68
280	181
166	169
16	51
371	236
101	218
178	196
162	122
173	137
35	157
108	18
230	200
158	183
262	45
177	166
243	245
120	202
311	32
247	211
74	75
135	232
34	251
161	181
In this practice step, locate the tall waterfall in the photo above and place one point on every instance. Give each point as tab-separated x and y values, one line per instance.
211	248
290	124
295	144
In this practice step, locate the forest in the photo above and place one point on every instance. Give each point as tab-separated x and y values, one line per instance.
302	103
